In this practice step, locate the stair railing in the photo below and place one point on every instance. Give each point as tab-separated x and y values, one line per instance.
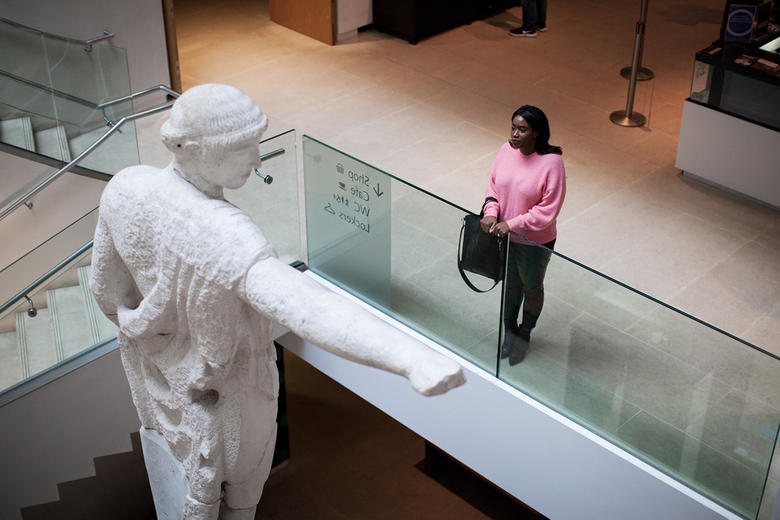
87	43
85	102
23	294
114	128
41	279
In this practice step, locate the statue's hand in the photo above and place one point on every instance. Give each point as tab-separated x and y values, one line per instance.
437	376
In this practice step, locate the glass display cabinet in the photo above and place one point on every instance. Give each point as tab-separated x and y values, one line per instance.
730	131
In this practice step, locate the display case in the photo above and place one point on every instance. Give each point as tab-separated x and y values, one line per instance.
730	132
740	80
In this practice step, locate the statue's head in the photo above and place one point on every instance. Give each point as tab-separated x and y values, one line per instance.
213	132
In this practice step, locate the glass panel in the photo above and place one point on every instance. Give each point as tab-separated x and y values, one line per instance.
26	269
49	93
395	246
752	98
65	321
23	56
690	400
99	75
700	84
274	206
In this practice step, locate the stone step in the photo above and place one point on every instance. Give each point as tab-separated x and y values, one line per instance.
53	142
70	328
101	327
10	363
36	348
18	132
118	152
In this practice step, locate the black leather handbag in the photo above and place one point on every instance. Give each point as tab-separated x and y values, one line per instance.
479	252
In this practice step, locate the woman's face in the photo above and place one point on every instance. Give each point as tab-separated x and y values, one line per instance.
522	138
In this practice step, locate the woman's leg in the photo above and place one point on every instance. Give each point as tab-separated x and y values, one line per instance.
533	266
513	298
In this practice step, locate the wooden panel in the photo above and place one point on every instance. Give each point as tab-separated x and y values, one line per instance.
171	44
315	18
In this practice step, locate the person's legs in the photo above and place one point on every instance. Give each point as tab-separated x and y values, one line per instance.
529	14
513	298
533	266
541	15
529	21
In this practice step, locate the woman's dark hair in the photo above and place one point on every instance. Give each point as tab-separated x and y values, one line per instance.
538	121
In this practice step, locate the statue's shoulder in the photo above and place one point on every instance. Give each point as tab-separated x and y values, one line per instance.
135	179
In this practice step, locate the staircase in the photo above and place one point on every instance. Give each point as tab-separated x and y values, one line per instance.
46	137
70	322
119	490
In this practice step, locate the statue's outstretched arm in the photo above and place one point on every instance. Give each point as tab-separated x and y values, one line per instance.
342	327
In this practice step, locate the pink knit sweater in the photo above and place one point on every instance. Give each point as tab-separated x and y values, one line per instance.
530	191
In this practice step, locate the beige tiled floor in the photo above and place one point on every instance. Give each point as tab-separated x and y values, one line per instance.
435	114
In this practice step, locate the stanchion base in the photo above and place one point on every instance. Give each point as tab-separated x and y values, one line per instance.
619	118
643	74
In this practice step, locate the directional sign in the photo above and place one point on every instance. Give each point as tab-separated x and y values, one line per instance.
347	219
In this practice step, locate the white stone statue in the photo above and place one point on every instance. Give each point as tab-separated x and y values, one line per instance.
194	287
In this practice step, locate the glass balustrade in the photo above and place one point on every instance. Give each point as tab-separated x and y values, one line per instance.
696	403
42	258
51	92
55	321
394	245
274	206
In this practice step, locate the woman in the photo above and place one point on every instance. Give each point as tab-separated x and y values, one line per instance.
527	186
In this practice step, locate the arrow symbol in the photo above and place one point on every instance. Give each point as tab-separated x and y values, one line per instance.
329	209
378	192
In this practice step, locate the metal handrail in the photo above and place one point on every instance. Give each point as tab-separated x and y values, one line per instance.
115	127
134	95
45	276
86	102
87	43
51	272
50	90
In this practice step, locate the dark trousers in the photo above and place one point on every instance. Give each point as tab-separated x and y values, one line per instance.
525	284
534	14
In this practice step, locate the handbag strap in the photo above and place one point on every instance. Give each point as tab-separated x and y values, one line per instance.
489	199
460	262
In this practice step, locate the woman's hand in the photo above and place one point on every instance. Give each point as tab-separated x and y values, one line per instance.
487	223
500	229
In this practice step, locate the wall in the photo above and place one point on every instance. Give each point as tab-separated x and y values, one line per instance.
352	14
52	434
138	27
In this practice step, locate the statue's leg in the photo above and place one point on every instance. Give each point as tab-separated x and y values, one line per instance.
196	510
241	498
